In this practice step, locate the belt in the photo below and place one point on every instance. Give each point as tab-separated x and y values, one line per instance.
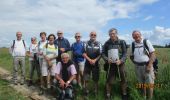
141	63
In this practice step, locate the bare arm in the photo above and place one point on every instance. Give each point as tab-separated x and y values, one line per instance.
86	57
152	58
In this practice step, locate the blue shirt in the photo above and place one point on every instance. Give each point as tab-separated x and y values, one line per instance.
62	43
78	50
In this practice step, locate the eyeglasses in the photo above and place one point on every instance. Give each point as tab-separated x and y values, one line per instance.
93	35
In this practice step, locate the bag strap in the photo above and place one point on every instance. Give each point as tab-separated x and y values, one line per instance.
24	43
46	45
145	44
133	47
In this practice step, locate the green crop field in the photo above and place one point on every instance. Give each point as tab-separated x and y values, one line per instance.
161	91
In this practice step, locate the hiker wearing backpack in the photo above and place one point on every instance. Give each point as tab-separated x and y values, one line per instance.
63	44
18	50
142	55
114	54
92	54
33	60
77	53
65	74
50	53
41	45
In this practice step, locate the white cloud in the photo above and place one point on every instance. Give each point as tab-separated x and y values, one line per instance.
147	18
158	36
33	16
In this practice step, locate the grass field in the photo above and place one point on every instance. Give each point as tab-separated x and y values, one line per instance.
161	92
8	93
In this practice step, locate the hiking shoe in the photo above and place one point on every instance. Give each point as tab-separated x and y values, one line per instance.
96	92
86	92
108	96
124	97
48	86
79	85
15	83
30	83
41	92
22	82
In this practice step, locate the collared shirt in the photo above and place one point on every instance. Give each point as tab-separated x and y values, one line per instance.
78	50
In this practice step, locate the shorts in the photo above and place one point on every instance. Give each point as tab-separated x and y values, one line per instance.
79	66
45	70
91	68
143	76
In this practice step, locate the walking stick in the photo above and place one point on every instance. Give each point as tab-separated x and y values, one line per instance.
118	71
108	72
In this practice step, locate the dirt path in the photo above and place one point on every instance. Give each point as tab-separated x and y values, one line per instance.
30	92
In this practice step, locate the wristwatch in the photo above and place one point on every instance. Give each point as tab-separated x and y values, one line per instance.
68	82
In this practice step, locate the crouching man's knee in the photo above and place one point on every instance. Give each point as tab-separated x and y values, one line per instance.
74	82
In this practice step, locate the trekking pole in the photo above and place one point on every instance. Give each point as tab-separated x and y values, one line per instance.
118	71
108	72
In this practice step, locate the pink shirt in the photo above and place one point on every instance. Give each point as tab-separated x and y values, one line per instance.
71	69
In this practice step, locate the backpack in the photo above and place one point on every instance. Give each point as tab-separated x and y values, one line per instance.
146	49
14	44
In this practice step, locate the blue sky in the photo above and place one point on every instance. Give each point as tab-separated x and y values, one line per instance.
31	17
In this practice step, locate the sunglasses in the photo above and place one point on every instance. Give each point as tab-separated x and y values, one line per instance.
113	33
93	35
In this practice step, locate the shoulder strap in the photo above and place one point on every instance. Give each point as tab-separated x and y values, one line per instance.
23	42
145	44
46	45
82	43
38	43
133	47
13	44
56	47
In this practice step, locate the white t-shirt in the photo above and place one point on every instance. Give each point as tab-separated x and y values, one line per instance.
40	48
33	49
139	53
18	49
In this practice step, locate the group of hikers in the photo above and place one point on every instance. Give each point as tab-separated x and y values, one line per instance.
57	68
